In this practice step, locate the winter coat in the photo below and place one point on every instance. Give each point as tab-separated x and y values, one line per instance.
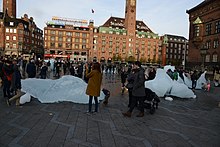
16	78
7	72
31	70
138	85
94	84
123	77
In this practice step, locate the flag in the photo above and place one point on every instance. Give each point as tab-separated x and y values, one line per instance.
93	11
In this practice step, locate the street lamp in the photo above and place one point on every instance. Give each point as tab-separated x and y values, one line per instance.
203	52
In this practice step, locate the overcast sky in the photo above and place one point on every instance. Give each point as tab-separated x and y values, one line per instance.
161	16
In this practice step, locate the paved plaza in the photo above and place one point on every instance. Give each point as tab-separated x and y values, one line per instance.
181	122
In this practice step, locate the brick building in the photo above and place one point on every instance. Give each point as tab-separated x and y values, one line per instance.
117	39
68	38
126	39
19	36
176	49
204	34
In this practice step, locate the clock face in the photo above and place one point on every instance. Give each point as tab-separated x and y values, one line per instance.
132	2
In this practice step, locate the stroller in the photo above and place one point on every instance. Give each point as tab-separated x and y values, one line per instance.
151	100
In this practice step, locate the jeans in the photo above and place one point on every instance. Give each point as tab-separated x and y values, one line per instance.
90	103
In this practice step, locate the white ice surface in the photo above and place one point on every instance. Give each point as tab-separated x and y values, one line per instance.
163	85
67	88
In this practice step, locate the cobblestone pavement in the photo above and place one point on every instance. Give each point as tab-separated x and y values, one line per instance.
191	122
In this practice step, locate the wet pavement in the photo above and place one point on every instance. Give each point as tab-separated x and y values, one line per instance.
181	122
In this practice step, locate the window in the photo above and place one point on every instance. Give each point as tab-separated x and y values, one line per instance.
60	45
84	35
52	32
52	44
196	31
84	41
76	46
11	30
69	33
68	40
208	44
60	39
11	24
207	58
216	44
60	33
14	38
7	45
217	27
15	31
7	30
52	38
14	45
214	58
68	45
7	37
77	34
208	29
83	46
110	43
76	39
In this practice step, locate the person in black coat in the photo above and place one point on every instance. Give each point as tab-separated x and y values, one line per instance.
138	91
16	84
43	71
31	69
7	78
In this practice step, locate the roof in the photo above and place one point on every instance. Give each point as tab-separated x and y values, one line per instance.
119	23
202	4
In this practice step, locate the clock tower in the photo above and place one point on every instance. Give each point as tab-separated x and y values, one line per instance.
130	17
10	6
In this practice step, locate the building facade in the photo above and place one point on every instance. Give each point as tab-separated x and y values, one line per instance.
204	34
68	38
117	39
125	39
176	50
19	36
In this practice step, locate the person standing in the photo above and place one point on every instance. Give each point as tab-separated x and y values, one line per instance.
194	78
43	71
31	69
7	78
16	84
94	85
138	91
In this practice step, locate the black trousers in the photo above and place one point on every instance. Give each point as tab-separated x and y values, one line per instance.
134	101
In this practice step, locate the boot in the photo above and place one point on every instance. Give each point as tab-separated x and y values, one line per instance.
141	114
127	114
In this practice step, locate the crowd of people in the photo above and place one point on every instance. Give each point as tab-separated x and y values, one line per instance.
133	77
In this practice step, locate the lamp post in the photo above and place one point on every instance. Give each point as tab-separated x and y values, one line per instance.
203	52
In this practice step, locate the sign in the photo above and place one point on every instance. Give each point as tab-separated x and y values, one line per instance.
56	56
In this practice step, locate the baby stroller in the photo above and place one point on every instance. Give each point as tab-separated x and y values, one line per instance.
151	100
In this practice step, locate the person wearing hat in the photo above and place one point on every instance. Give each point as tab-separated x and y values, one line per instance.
138	91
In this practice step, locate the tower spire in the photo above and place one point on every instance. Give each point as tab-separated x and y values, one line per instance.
10	6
